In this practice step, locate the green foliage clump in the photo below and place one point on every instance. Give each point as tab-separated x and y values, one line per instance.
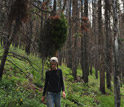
54	35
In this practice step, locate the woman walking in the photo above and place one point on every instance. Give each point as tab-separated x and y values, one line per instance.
53	84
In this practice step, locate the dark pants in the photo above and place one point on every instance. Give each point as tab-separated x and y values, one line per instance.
53	98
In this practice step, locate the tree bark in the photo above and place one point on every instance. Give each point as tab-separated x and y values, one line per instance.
29	37
6	49
101	49
54	7
84	48
116	57
69	40
42	72
108	66
95	35
75	38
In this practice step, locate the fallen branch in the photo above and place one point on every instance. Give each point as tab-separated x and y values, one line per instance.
17	67
22	58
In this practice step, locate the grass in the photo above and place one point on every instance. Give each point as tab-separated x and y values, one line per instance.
19	89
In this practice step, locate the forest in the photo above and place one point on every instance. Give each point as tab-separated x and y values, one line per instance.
86	36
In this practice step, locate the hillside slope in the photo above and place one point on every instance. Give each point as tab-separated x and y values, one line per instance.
21	85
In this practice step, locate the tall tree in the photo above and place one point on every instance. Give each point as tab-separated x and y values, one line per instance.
101	48
29	38
116	56
69	40
75	14
122	44
84	48
17	15
41	45
95	34
108	66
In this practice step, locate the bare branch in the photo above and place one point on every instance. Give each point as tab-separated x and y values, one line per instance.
22	58
38	15
40	8
4	34
17	67
64	5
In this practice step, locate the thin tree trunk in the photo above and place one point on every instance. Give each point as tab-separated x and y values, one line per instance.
42	54
60	4
116	57
69	41
95	35
101	49
75	38
54	7
65	1
29	37
60	57
85	58
6	49
85	64
42	72
3	60
108	45
82	40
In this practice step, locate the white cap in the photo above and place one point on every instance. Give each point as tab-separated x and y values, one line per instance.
54	59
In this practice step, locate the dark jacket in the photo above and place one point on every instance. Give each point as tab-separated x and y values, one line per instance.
53	81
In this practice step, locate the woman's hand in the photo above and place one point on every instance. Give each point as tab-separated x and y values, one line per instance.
43	98
63	94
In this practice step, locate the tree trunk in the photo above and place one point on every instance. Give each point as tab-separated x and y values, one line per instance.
74	60
54	7
29	37
42	72
85	66
60	4
108	66
84	48
6	49
95	35
3	60
69	40
116	57
101	49
41	43
75	38
122	46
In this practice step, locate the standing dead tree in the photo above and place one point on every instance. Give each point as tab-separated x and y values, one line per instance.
17	15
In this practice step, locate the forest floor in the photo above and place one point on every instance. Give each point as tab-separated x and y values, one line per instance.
21	85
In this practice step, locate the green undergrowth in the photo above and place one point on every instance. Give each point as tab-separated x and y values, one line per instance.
87	95
21	85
